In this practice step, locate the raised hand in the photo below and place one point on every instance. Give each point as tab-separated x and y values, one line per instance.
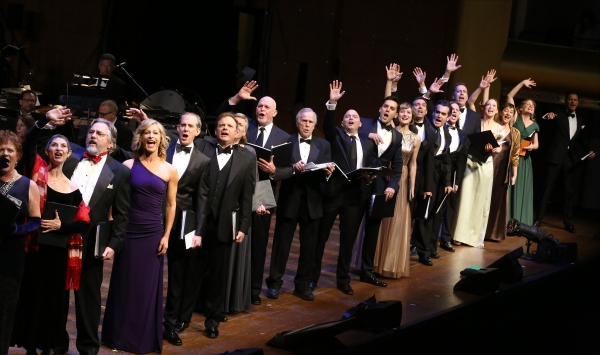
528	83
491	76
59	116
135	114
245	92
484	83
451	65
335	91
393	72
419	75
436	85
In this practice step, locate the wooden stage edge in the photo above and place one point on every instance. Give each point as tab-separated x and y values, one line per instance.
425	295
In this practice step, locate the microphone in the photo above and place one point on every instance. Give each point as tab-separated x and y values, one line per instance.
121	65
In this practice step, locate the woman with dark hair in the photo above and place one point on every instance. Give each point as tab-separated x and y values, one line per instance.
521	196
392	256
506	162
41	321
134	308
20	215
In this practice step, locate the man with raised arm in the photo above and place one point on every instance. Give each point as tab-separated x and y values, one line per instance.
349	200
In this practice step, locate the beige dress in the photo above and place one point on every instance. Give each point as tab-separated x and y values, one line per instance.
392	256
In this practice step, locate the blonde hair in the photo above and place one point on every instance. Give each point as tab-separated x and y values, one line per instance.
138	149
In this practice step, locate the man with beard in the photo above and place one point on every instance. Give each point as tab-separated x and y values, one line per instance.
104	186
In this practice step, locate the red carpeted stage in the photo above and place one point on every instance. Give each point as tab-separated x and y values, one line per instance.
431	309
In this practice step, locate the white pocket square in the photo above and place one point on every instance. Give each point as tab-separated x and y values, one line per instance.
110	186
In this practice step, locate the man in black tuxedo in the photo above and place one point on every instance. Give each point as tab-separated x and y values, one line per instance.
341	197
299	203
225	217
458	150
568	146
265	133
184	264
388	151
104	186
437	184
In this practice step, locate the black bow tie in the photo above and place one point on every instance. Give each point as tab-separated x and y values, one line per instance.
387	127
179	148
307	141
420	124
463	109
224	150
572	115
452	127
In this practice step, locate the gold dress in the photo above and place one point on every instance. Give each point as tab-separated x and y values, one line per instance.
392	256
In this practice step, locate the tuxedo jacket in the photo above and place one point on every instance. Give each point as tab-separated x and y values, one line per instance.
191	193
472	122
206	147
338	140
294	184
392	156
237	196
423	149
111	194
562	146
438	169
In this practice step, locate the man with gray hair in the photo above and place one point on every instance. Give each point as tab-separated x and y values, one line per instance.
104	186
299	204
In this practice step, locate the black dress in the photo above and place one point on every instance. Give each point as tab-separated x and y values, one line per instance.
12	257
43	305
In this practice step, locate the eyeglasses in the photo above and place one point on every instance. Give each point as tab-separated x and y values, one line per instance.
102	114
29	100
98	133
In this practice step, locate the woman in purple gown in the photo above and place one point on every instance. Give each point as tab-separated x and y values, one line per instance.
134	308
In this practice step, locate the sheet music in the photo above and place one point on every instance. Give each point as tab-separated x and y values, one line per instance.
183	235
234	223
188	239
587	155
427	210
97	246
441	204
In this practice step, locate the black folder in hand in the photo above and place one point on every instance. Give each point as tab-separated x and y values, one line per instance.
66	213
423	208
101	237
380	171
478	141
188	226
380	208
282	153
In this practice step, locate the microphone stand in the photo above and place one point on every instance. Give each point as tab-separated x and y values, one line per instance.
136	84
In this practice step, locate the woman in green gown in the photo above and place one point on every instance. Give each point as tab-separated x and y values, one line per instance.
520	204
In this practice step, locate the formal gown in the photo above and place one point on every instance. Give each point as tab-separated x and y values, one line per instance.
473	209
134	307
521	195
41	319
496	226
12	259
392	255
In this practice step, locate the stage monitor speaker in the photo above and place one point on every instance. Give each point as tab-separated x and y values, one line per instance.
510	269
480	282
321	338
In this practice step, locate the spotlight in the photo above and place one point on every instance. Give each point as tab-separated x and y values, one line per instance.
549	248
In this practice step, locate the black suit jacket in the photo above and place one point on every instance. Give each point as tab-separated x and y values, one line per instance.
337	138
205	146
472	122
110	194
438	165
458	158
392	155
191	193
236	197
561	146
294	185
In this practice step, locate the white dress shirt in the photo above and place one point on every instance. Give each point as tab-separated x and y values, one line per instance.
442	141
462	118
86	176
386	136
455	139
181	160
223	158
572	125
266	133
359	151
304	149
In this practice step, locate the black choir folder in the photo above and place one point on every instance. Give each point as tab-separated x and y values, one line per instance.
380	208
478	142
66	213
188	227
380	171
282	153
102	235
